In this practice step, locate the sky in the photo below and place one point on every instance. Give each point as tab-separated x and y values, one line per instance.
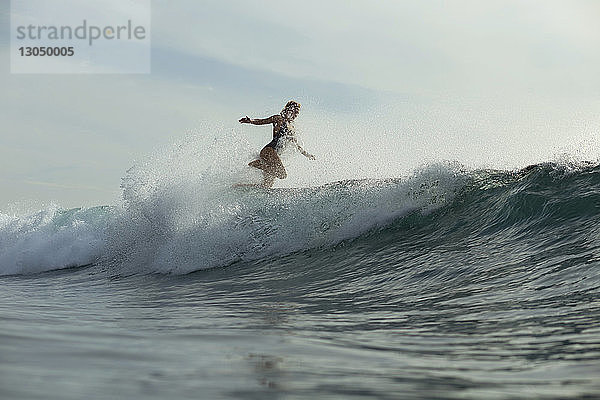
399	83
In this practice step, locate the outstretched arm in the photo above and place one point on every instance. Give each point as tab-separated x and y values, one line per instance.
304	152
258	121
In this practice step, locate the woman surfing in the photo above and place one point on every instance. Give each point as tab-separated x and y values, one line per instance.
283	135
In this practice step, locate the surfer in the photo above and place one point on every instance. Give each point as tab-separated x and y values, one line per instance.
283	135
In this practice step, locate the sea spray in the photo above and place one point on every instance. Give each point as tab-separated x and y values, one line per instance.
188	221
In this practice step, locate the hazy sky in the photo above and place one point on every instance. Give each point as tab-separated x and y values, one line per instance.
447	78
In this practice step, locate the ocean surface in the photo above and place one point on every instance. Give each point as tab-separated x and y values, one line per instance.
449	283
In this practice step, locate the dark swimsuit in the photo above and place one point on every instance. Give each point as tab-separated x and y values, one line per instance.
281	138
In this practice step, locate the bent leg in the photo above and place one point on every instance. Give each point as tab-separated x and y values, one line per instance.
274	166
260	164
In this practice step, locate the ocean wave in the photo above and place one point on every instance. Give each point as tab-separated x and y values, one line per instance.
180	224
52	238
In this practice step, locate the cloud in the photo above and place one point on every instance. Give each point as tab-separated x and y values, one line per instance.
403	46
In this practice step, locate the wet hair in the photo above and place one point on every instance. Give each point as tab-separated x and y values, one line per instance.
292	105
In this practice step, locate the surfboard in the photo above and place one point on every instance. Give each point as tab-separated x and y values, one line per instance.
248	185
